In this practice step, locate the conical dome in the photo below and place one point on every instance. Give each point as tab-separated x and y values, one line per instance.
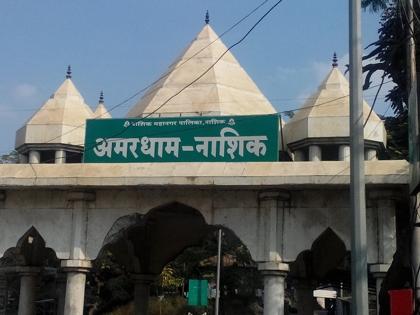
101	112
56	121
224	90
326	114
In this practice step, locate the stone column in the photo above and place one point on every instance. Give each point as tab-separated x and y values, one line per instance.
344	153
274	275
75	289
142	284
384	202
270	224
299	156
28	279
315	153
60	157
371	155
78	264
34	157
378	272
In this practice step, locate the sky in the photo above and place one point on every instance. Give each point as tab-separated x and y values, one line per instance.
122	46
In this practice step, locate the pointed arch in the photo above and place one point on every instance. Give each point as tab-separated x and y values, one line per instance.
30	250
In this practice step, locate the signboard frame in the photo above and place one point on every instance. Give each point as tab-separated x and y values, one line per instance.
183	139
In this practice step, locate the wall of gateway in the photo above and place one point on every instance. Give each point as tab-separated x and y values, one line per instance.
274	225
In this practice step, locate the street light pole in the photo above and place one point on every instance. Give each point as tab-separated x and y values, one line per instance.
219	253
360	303
413	134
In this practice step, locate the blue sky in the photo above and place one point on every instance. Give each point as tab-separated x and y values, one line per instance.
121	46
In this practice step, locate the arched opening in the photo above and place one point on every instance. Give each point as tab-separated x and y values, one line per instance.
167	247
26	268
321	276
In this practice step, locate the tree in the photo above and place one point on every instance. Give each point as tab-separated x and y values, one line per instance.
387	55
10	158
375	5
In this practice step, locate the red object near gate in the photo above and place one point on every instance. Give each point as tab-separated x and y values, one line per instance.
401	301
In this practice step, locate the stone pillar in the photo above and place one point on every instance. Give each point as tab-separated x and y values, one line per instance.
299	156
270	224
75	289
28	279
142	292
77	266
371	155
34	157
315	153
378	272
60	157
384	202
344	153
274	275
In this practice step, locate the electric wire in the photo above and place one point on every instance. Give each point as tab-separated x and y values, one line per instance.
126	100
374	101
327	103
197	78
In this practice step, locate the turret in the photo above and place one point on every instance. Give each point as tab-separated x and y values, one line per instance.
56	132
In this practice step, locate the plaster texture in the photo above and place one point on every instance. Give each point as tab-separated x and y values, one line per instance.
276	209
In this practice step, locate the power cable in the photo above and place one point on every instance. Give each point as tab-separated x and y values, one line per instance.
374	101
217	60
199	77
165	74
296	109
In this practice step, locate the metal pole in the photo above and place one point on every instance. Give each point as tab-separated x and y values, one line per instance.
360	303
219	253
413	135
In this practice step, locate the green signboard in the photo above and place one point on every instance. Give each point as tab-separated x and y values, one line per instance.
182	139
197	292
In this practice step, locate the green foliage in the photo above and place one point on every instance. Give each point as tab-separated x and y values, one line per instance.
397	137
169	280
388	55
374	5
110	290
108	285
10	158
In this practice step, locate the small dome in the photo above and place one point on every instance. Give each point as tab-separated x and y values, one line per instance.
59	121
224	90
101	112
326	115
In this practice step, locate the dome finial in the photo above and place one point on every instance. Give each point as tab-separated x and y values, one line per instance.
207	20
335	61
101	97
68	73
